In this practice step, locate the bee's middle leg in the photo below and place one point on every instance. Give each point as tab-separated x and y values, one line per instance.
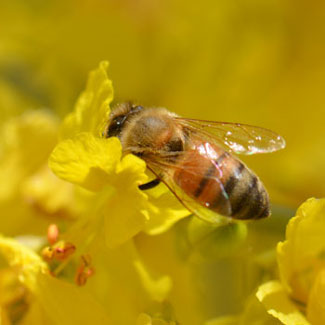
149	185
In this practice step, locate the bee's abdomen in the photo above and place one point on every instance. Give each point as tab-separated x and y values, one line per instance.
247	195
222	182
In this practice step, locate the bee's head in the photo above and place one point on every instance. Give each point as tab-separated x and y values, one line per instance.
119	116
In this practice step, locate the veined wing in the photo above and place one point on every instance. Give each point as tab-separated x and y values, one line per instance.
235	137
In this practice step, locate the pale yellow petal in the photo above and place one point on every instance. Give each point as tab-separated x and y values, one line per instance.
277	303
65	303
158	289
92	109
25	144
300	256
35	315
95	164
165	210
124	285
86	160
24	259
255	313
131	171
316	302
50	195
125	215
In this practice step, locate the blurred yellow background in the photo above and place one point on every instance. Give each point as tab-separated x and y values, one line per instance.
256	62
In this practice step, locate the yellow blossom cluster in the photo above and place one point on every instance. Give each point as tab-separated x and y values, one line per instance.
92	215
299	297
79	242
91	247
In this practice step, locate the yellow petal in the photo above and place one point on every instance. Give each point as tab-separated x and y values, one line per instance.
65	303
162	208
131	171
25	144
34	315
24	259
62	302
126	212
276	301
165	210
316	303
300	256
50	195
86	160
255	314
92	109
125	285
95	164
158	288
124	217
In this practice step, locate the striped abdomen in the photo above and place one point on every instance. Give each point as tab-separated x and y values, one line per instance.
217	180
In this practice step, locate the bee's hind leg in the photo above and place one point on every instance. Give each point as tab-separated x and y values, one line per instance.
149	185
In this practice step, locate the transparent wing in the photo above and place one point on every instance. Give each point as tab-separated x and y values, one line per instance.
164	172
235	137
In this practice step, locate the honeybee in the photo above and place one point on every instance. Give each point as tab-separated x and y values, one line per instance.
193	158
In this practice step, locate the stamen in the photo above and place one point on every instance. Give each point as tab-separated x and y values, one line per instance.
84	271
60	251
52	234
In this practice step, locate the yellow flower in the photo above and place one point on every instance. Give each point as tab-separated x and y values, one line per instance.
84	158
38	191
124	284
31	196
278	304
51	300
26	142
299	297
248	71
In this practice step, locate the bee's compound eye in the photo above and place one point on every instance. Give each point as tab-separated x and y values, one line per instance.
116	126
